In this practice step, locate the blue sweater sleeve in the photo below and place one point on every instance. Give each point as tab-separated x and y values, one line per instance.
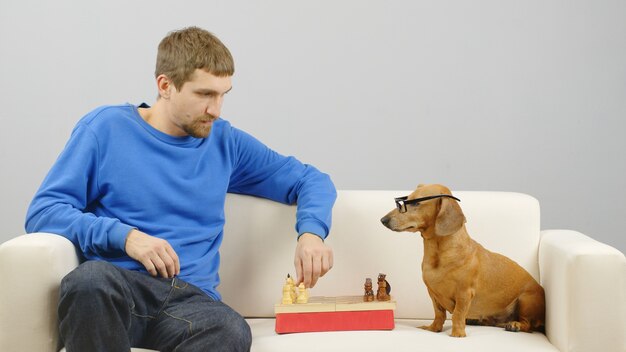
61	205
262	172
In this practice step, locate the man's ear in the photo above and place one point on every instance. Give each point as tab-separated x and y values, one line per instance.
164	85
450	217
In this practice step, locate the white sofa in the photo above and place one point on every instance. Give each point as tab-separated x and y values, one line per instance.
584	280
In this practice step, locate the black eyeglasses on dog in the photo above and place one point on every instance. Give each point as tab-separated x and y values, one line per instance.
401	202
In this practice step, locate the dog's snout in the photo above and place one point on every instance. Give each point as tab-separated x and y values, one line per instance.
385	220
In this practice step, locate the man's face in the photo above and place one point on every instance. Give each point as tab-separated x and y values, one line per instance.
195	107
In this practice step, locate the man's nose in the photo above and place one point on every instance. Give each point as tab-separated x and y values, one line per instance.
214	110
214	107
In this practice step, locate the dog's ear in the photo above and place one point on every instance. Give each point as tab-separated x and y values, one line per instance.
450	217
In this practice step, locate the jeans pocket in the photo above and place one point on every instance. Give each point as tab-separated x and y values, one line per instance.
179	284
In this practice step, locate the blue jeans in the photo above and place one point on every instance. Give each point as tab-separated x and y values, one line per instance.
106	308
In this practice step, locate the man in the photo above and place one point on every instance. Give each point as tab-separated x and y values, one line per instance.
141	190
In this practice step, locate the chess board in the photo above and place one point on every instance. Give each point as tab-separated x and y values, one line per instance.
339	313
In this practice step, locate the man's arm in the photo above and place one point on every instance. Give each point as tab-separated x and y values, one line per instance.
61	205
262	172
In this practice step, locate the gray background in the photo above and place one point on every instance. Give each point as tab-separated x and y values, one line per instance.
526	96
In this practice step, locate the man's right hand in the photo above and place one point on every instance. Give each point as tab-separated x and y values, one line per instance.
155	254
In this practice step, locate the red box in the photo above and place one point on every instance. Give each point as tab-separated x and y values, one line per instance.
334	314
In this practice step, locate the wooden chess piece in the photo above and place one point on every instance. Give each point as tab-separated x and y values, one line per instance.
303	294
369	292
287	295
292	287
383	288
288	298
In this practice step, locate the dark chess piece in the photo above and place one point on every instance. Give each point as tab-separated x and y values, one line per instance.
383	288
369	292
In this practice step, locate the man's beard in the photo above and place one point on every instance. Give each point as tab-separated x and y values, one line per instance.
200	127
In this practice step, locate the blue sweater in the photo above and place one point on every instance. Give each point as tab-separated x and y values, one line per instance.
117	173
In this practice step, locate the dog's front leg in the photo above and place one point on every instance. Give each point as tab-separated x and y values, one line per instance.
440	316
463	300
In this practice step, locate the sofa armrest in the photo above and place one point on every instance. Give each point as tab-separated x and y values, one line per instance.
585	284
31	269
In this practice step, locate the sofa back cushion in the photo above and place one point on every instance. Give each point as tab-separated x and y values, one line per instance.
259	243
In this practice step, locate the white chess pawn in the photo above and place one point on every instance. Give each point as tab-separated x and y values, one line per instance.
287	294
292	287
303	294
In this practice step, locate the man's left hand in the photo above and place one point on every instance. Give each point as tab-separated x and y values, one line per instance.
313	259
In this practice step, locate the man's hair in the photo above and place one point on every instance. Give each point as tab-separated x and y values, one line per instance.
182	52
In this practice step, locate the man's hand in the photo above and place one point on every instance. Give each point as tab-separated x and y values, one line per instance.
155	254
313	259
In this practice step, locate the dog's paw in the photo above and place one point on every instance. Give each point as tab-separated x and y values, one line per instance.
513	326
458	333
431	328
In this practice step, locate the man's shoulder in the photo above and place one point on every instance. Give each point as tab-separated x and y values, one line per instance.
108	115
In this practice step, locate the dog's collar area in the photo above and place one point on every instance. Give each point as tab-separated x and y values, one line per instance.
401	202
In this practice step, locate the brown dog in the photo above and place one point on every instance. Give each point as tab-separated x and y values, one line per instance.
475	285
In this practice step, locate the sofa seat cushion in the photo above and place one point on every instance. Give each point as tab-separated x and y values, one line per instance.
405	337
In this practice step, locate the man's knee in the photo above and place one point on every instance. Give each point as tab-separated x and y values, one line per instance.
240	334
91	299
90	278
232	334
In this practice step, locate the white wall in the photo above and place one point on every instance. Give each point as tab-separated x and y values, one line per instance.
526	96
